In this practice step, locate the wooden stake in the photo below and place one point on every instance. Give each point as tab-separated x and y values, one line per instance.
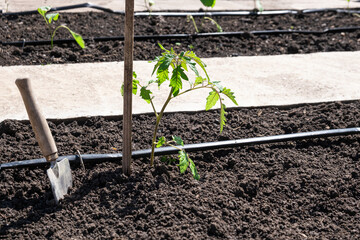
128	70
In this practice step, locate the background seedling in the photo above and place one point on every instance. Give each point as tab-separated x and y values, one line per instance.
206	3
258	6
149	4
52	17
172	67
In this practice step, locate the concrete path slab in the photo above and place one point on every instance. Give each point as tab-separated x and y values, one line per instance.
91	89
25	5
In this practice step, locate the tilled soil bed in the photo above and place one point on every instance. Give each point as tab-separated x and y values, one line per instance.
95	24
308	189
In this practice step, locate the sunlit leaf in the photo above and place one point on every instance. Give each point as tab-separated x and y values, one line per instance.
145	94
227	92
52	17
211	100
161	141
43	10
175	81
194	170
78	39
183	161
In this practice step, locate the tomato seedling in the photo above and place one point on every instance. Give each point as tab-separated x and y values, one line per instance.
206	3
172	67
52	17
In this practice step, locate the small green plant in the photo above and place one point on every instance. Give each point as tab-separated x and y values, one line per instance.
172	67
258	6
206	3
149	4
52	17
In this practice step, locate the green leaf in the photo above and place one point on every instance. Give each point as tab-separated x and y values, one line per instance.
175	81
222	117
78	39
211	100
161	46
208	3
192	66
183	65
194	170
227	92
122	90
182	74
43	10
165	62
162	76
199	80
135	86
193	56
178	140
52	17
161	141
145	94
134	74
183	161
218	85
151	3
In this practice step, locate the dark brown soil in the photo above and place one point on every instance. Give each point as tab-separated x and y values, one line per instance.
89	25
307	189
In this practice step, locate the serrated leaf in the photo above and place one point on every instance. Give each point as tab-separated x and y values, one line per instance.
211	100
43	10
145	94
78	39
222	117
178	140
161	141
199	80
183	161
194	170
134	74
175	81
162	76
165	62
227	92
208	3
52	17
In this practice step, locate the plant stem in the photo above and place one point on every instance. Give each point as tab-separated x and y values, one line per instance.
53	34
158	118
193	20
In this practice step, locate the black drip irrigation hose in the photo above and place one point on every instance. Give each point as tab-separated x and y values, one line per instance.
185	36
193	147
184	14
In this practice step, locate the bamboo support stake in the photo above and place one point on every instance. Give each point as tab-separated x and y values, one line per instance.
128	70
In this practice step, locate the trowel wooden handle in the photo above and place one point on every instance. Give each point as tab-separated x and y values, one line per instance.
37	120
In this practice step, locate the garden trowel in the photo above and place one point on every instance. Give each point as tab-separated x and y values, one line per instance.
59	172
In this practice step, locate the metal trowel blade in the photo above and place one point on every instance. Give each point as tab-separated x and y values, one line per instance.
60	178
